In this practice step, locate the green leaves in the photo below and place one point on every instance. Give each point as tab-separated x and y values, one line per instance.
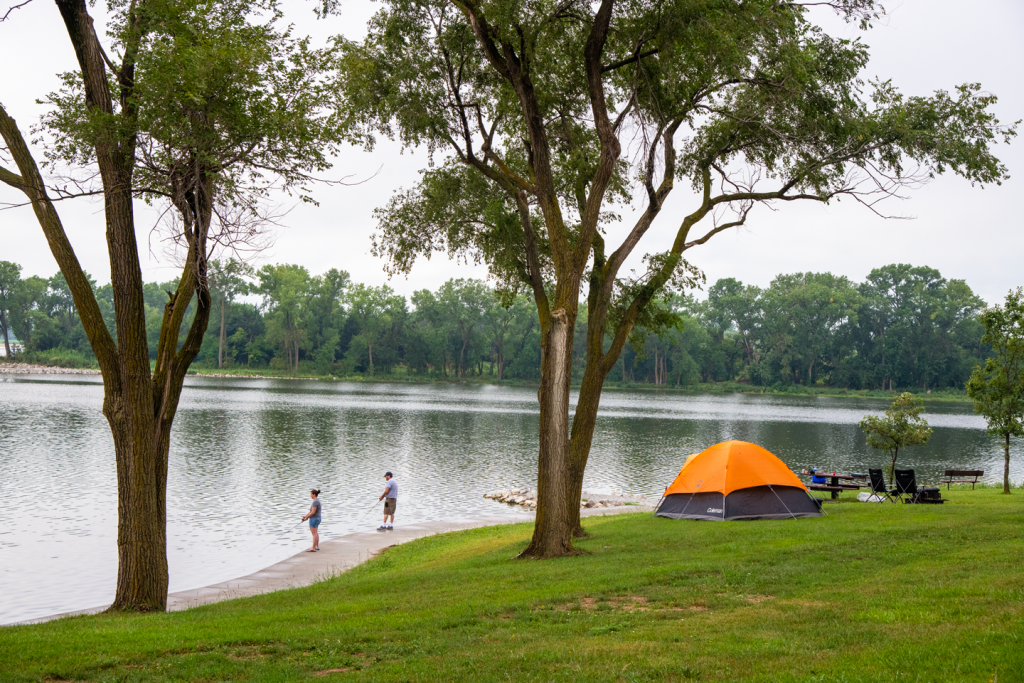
902	426
998	388
216	99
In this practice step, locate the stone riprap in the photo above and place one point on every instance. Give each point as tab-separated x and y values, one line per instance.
528	498
28	369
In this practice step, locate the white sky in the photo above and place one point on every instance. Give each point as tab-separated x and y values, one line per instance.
923	45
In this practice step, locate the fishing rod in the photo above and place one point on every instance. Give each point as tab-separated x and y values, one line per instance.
292	528
275	538
373	505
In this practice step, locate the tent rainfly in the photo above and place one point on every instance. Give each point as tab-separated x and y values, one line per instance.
736	480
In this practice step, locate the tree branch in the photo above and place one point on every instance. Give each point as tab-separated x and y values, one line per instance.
12	8
625	62
31	183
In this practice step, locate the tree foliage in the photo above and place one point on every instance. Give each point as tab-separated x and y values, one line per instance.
998	388
902	426
224	107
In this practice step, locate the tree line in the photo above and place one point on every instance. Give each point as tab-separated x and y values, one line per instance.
903	327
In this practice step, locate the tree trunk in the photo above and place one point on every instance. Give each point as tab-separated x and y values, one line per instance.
369	349
552	531
892	465
583	423
3	326
1006	464
142	576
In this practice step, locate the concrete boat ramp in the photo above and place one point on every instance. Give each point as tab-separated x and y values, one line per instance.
336	555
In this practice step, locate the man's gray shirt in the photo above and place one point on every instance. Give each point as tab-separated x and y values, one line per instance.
392	489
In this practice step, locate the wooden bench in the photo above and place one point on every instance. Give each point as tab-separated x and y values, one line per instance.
961	477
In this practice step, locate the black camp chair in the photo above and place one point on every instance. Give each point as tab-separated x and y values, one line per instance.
906	485
878	485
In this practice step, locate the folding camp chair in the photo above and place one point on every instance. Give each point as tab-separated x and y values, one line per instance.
878	487
906	485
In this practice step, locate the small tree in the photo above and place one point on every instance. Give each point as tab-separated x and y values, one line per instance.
998	388
902	426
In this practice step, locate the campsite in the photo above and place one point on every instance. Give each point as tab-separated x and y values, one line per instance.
488	340
868	593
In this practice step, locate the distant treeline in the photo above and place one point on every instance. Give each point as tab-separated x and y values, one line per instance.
902	327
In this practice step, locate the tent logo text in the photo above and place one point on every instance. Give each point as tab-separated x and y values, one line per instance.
715	510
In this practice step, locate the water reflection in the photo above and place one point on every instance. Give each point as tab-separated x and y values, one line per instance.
246	452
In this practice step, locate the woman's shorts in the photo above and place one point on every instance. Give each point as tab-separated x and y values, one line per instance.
314	522
389	505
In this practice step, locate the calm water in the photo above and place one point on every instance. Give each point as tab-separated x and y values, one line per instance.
246	452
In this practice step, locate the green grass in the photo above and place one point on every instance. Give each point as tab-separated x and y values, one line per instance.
872	592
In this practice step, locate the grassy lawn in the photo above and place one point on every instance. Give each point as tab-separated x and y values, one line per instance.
872	592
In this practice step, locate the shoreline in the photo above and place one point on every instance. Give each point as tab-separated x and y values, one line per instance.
337	555
31	369
716	389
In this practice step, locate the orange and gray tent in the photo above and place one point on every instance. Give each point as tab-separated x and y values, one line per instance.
736	480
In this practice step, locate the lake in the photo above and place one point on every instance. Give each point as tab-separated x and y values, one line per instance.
245	452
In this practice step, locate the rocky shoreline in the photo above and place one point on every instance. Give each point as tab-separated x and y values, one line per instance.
527	498
29	369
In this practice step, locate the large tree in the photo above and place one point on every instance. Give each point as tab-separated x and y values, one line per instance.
202	106
226	279
540	117
374	309
285	290
998	388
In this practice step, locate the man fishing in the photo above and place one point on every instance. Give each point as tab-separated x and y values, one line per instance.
390	498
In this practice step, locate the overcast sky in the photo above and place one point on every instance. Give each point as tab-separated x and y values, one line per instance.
965	232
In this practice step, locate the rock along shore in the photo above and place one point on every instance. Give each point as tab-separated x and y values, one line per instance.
527	498
28	369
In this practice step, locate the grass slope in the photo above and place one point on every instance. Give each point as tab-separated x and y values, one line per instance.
872	592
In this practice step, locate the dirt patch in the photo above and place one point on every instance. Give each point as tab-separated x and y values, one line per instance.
326	672
755	599
246	654
629	603
698	608
619	603
807	603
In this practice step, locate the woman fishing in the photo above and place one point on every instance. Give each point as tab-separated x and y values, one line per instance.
314	520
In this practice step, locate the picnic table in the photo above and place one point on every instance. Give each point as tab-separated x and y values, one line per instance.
837	482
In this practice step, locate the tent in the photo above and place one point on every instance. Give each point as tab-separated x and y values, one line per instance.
736	480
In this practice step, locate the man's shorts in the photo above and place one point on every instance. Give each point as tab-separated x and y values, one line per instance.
314	522
389	505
